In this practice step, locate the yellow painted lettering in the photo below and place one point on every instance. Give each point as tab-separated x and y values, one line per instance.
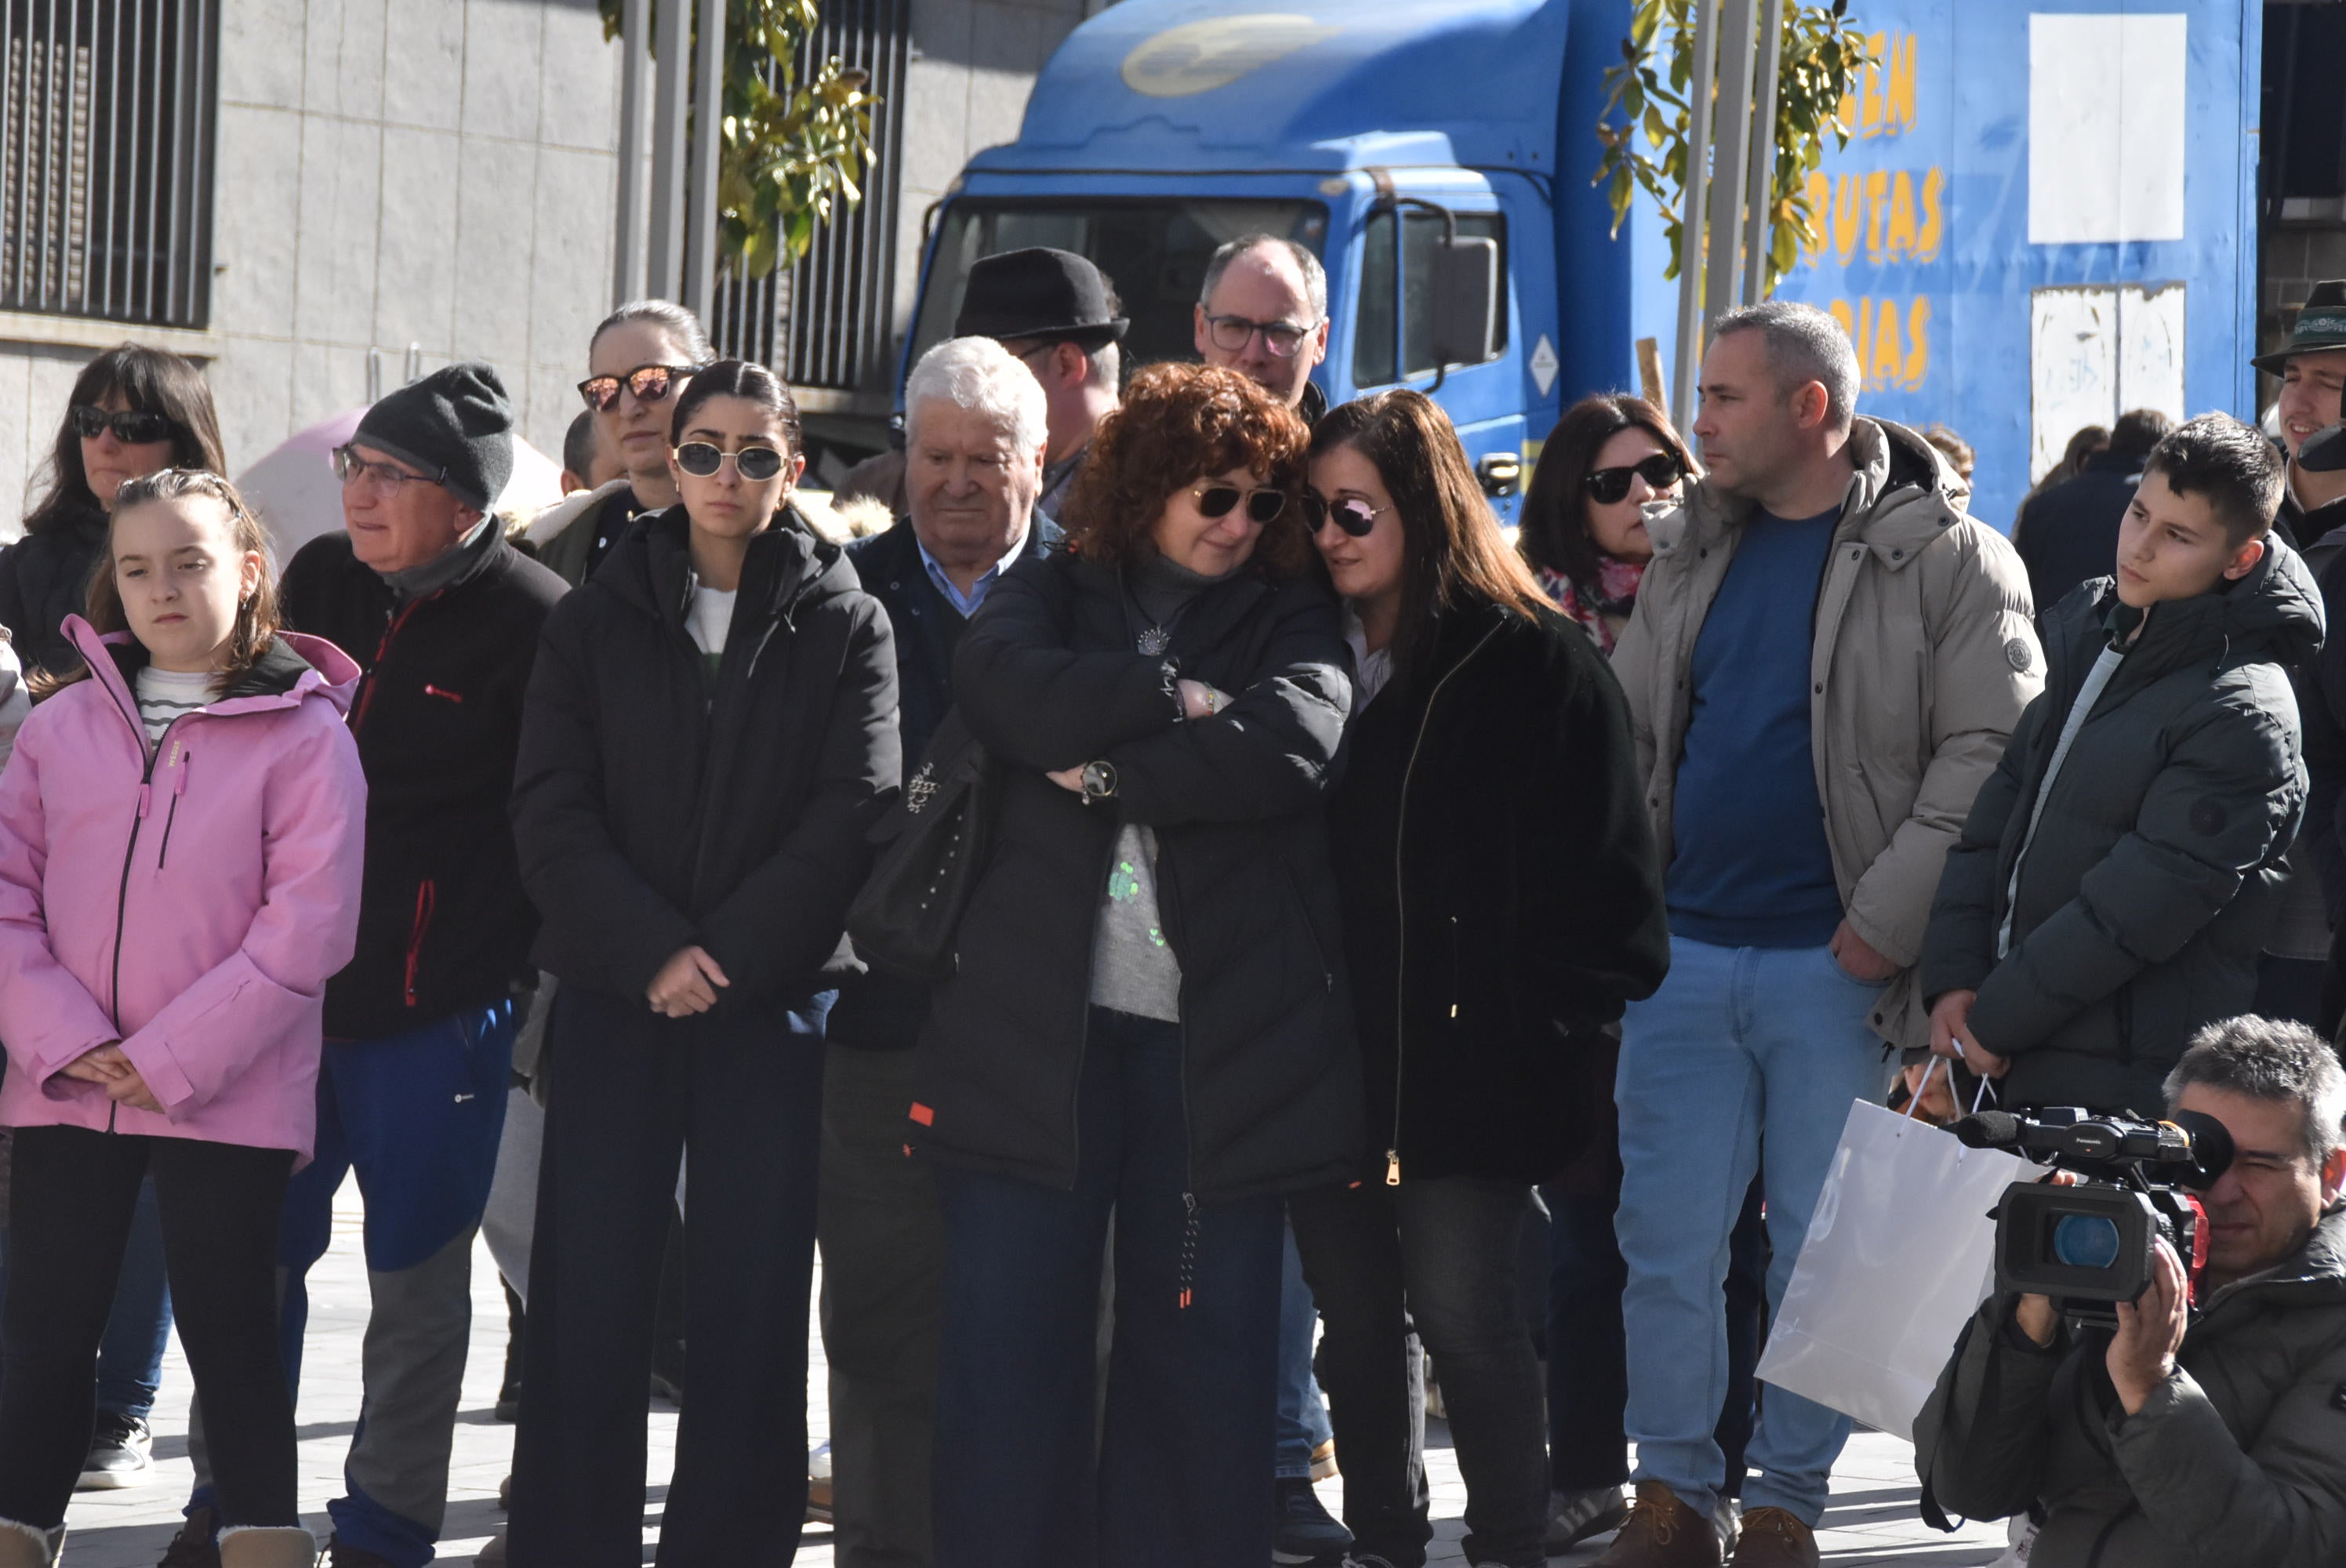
1918	343
1848	215
1901	216
1926	242
1877	189
1888	366
1899	106
1865	341
1877	50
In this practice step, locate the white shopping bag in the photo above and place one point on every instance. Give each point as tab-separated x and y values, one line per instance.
1899	1254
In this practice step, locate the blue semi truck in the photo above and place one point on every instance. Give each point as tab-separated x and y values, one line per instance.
2042	219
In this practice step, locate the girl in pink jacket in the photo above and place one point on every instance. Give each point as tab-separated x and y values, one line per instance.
180	846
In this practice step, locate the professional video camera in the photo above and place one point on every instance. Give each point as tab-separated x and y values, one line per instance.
2089	1246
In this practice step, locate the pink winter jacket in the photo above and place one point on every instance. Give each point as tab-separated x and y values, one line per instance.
192	906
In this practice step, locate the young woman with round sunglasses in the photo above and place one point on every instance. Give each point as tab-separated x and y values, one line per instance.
638	363
133	410
709	733
1584	526
1149	1017
1502	900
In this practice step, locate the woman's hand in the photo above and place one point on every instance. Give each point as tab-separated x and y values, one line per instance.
101	1064
131	1090
1199	700
1069	778
685	985
1951	1035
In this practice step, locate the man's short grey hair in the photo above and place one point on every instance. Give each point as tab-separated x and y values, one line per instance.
980	375
2269	1059
1804	345
1315	277
1107	361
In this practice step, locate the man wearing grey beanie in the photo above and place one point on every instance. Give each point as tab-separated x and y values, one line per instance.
442	614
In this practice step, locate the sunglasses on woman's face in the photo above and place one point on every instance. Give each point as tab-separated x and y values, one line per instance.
1261	505
702	460
650	383
1352	514
130	427
1610	485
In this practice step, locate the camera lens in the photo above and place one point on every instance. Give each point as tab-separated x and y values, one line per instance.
2085	1241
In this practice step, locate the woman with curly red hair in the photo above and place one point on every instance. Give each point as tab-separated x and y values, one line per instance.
1149	1017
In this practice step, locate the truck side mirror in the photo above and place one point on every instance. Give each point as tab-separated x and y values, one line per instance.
1464	302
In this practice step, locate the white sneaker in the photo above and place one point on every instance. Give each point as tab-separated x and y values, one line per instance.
119	1454
1574	1516
2020	1535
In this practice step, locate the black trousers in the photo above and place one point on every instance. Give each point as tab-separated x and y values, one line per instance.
69	1213
739	1100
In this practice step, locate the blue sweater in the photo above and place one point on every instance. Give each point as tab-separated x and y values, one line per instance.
1752	867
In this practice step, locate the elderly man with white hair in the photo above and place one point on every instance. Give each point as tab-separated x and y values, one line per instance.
977	428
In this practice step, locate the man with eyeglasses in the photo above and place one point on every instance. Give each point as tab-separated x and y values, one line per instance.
442	614
1262	312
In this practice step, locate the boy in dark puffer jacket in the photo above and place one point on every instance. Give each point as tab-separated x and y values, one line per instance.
2119	873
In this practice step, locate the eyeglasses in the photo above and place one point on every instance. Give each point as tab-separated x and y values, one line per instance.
1660	470
384	478
1261	505
131	427
650	383
703	460
1283	339
1353	515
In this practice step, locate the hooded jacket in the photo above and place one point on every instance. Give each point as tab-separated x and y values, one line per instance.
1922	656
190	904
2238	1460
1048	677
653	811
2155	869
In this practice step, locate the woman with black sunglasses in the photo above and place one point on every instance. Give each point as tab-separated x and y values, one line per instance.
709	732
1149	1016
1584	526
1502	901
133	410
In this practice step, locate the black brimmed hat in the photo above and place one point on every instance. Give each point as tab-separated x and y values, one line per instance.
2321	326
1038	293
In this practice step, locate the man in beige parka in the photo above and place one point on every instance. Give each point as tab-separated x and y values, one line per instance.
1826	661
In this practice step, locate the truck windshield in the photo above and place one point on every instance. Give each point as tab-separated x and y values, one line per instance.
1153	253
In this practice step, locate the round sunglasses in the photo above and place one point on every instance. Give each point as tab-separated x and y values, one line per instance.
650	383
131	427
1660	470
1261	505
1352	514
703	459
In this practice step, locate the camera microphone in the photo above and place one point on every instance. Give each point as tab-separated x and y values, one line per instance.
1988	1130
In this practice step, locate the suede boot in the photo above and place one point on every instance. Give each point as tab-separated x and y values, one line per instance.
264	1546
25	1546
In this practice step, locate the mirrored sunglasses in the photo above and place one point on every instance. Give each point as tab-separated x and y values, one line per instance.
1610	485
1261	505
703	459
130	427
1352	514
650	383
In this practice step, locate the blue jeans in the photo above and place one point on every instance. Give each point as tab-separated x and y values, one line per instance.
138	1325
1303	1413
1183	1476
1737	1044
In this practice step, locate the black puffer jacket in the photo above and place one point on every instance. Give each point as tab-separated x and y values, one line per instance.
43	578
1047	678
1503	897
443	924
2156	871
654	811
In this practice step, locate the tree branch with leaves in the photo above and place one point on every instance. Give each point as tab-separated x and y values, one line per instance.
1823	52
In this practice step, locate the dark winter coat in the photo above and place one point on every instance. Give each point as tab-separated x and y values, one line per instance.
2068	533
1502	895
876	1010
2156	871
43	578
655	813
443	924
2238	1460
1048	678
2321	704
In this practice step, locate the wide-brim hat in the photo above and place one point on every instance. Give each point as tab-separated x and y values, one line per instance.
2321	326
1038	293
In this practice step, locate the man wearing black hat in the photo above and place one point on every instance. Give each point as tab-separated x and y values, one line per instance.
444	617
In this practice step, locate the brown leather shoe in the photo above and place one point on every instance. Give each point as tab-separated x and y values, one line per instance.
1775	1539
1662	1532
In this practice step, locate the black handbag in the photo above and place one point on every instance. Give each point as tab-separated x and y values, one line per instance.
934	841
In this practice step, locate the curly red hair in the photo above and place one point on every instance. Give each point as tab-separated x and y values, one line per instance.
1178	425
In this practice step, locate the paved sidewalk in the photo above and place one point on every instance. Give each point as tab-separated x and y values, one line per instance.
1872	1519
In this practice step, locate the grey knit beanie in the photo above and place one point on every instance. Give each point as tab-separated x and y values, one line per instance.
454	425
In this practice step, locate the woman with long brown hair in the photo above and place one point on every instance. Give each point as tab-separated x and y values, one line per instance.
1504	904
1584	527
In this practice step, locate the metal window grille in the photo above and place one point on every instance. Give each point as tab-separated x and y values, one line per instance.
105	158
830	320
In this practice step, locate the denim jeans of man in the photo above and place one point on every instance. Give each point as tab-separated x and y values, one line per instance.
1443	1255
1303	1413
1182	1476
1744	1054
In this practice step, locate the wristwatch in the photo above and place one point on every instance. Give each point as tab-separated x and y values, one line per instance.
1099	782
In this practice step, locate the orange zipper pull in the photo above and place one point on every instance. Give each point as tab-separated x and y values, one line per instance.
1392	1167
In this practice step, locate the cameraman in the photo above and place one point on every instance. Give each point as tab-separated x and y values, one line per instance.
2187	1437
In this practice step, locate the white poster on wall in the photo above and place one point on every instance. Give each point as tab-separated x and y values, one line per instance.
2094	352
2106	132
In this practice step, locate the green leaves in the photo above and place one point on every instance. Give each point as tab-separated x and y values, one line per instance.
1823	52
790	151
